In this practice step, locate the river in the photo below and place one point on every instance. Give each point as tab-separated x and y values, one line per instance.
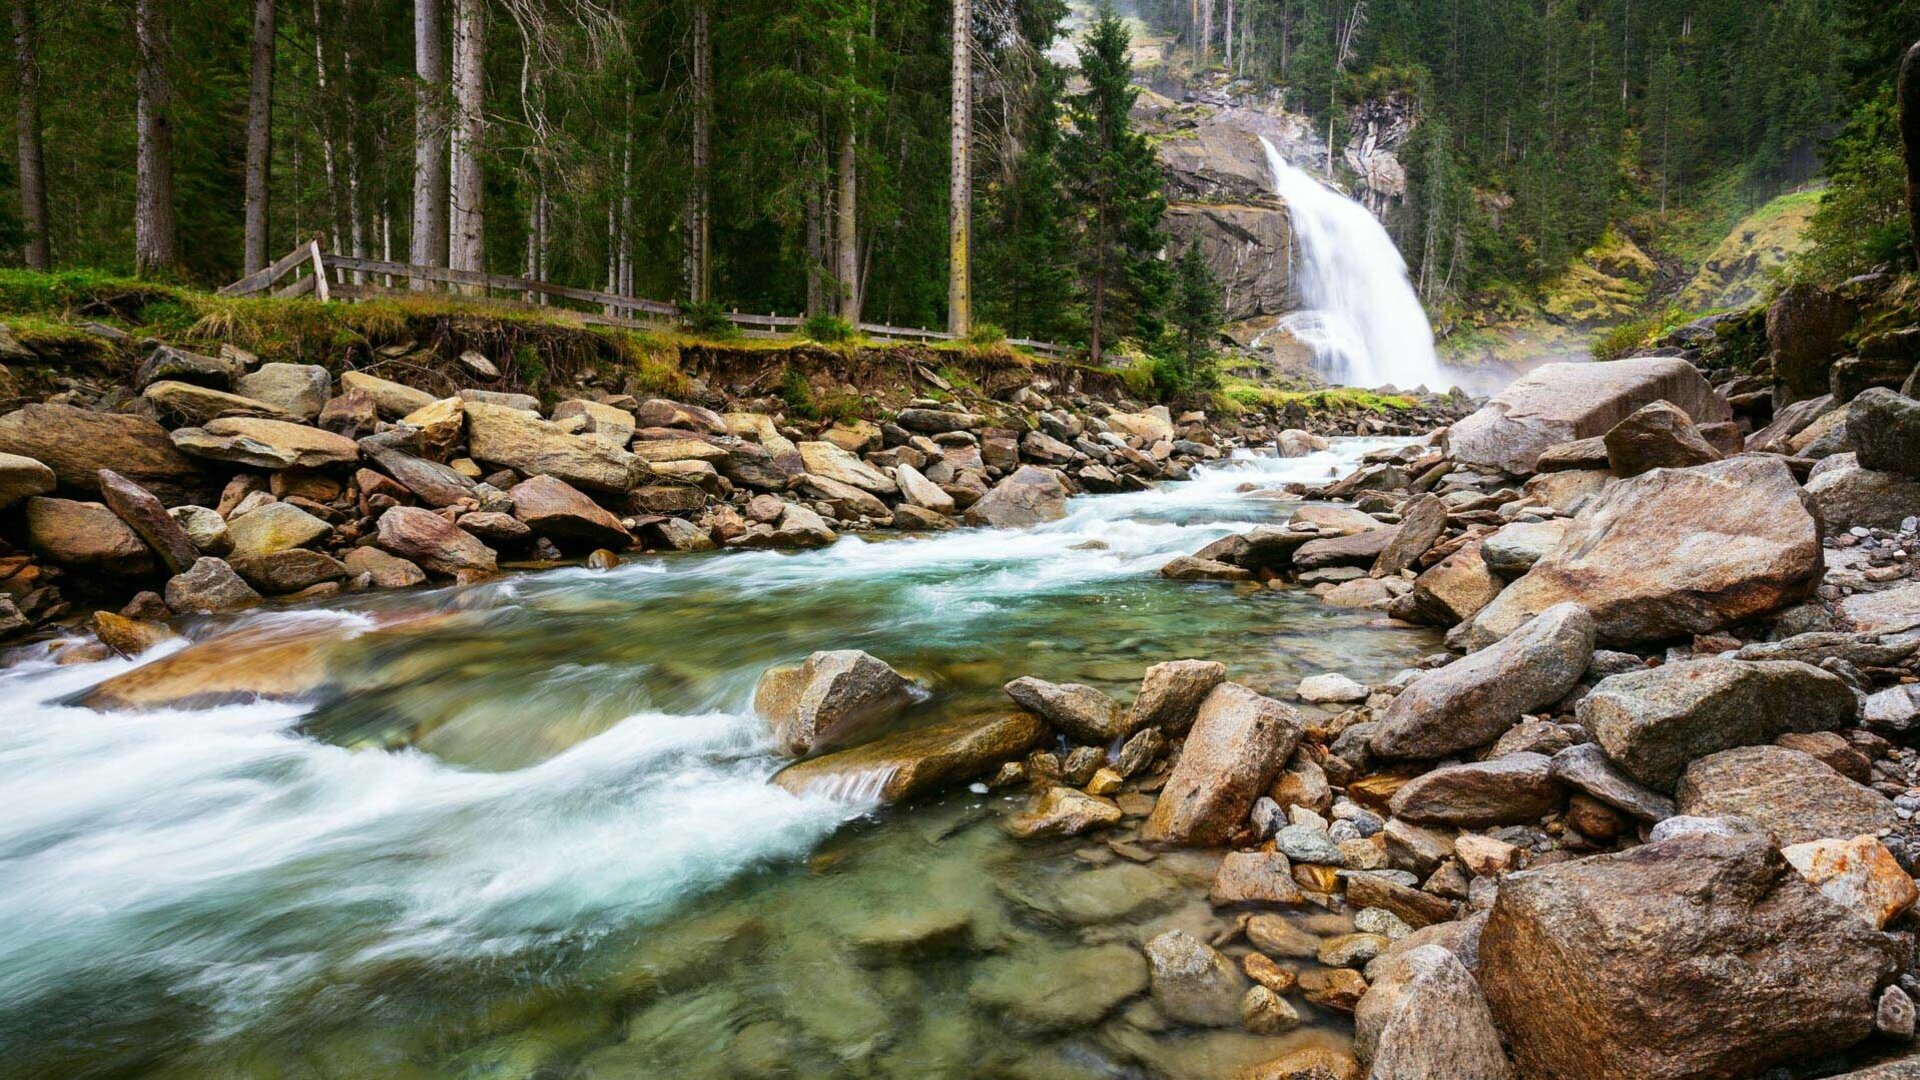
530	834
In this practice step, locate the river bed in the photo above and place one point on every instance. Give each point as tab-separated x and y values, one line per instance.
532	835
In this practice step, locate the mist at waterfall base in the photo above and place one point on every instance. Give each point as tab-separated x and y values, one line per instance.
1358	312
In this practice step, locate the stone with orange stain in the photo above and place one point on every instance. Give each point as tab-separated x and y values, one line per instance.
1858	874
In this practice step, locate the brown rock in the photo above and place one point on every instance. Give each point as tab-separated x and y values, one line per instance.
288	570
1255	877
1617	967
385	571
77	443
532	446
1788	793
1558	403
393	400
1171	693
21	477
1238	743
1413	907
1080	712
1513	790
1062	811
1427	1019
1029	496
556	509
835	698
922	761
128	637
435	544
1308	1063
209	585
86	536
1656	436
145	515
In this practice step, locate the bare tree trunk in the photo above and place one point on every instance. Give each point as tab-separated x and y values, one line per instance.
847	254
1099	284
626	211
1909	97
1227	37
428	244
259	137
467	219
323	123
699	206
960	193
33	163
156	239
816	251
1206	33
357	218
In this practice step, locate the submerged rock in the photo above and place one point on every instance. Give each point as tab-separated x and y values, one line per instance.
1040	991
1193	983
1696	957
835	698
1063	811
909	764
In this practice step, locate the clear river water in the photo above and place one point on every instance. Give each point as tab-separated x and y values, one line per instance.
524	829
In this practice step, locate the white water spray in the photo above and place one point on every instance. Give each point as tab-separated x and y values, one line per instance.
1357	310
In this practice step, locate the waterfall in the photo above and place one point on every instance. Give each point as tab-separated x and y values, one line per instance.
1357	309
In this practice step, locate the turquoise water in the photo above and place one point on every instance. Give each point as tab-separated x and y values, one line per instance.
531	836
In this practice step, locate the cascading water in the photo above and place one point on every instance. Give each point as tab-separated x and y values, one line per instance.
1358	311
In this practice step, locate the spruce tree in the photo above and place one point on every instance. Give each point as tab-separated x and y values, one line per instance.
1196	316
1114	175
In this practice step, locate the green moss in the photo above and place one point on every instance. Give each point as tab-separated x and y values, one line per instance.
1247	395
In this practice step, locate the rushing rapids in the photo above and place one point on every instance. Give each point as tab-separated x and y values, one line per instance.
497	834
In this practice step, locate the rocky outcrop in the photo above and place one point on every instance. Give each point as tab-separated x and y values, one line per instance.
1805	326
1674	552
1558	403
1618	967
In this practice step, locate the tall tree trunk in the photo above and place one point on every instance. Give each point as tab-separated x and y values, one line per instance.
626	210
816	250
466	244
699	205
259	137
960	182
1227	37
156	238
1099	284
846	240
33	164
323	123
1909	95
1206	33
428	245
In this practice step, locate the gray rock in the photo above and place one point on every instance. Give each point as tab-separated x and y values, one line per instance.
300	389
1475	699
1886	427
1192	983
1850	497
1586	768
1030	496
21	477
1893	711
834	699
1558	403
1653	722
1238	744
1513	790
1052	990
1514	549
205	527
209	585
1080	712
1428	1019
1171	693
1305	844
1790	794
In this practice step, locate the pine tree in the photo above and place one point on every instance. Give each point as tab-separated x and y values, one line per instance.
1196	316
1114	175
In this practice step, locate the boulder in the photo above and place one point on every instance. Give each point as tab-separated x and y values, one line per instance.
920	491
1674	552
1450	591
1193	568
1334	520
1475	699
599	419
1513	790
935	421
497	530
1654	721
21	477
1082	713
1889	611
1578	454
1859	875
1030	496
1805	326
1255	877
1585	768
1063	811
288	570
1557	403
439	427
801	527
1193	983
848	502
204	527
554	508
1791	794
209	585
1656	436
830	461
1422	523
910	764
149	519
1848	496
301	390
1238	744
179	365
77	443
1428	1019
509	437
435	544
1694	958
1358	549
1058	990
432	483
384	571
86	536
189	404
1171	693
301	446
1886	427
393	400
833	699
274	527
1512	550
659	412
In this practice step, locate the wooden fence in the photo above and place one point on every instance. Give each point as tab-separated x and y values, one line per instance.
327	276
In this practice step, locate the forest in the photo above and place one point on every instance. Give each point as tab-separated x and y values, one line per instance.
809	155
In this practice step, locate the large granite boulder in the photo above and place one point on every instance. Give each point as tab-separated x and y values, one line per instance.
1886	427
921	761
186	403
77	443
830	461
834	698
1655	721
1238	744
1030	496
1805	327
1694	958
1674	552
1475	699
433	543
1793	795
1450	591
1425	1018
86	536
1849	496
499	435
1558	403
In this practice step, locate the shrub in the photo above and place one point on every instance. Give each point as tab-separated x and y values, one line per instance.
797	392
986	333
708	319
826	329
1623	338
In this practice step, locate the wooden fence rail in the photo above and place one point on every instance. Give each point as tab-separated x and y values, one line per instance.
328	276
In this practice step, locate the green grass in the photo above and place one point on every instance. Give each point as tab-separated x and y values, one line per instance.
1333	399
